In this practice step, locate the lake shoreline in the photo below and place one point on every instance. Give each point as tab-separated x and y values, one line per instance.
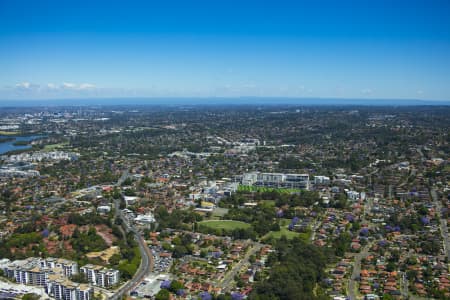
17	144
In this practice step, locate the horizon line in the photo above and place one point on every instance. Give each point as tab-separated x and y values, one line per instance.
223	97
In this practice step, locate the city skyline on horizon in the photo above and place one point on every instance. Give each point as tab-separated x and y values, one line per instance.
346	50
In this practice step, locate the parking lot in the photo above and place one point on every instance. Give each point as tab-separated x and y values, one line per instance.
162	260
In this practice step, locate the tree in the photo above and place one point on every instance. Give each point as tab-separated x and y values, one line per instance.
258	276
179	251
387	297
115	259
30	296
296	268
252	258
163	294
390	266
175	286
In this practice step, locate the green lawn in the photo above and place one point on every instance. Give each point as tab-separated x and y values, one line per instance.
218	213
3	132
447	169
52	147
267	203
261	189
278	234
224	224
284	223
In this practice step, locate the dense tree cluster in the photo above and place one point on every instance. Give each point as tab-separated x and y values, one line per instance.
84	242
27	244
296	269
178	219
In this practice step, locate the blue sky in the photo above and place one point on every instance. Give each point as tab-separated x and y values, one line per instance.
345	49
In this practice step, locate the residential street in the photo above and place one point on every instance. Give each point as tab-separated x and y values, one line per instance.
225	284
443	222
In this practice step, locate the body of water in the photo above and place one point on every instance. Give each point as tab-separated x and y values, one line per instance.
9	145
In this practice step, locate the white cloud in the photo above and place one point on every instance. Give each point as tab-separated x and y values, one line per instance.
52	86
86	86
23	85
50	89
69	86
367	91
419	92
74	86
26	85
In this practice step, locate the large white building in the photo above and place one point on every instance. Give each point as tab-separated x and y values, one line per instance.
9	290
41	156
276	180
68	267
321	179
35	271
62	289
145	219
100	276
53	274
130	200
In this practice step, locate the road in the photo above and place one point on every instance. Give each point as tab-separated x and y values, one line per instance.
314	228
225	284
105	292
358	257
125	175
356	271
422	156
146	265
404	285
405	291
443	222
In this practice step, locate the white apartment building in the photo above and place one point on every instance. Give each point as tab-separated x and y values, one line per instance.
145	219
50	273
68	267
321	180
40	156
27	271
276	180
352	195
62	289
100	276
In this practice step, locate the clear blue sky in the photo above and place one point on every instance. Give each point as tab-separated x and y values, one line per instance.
337	48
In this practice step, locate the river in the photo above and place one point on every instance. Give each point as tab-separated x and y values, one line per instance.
9	145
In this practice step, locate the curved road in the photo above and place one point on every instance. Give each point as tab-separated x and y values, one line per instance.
146	265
